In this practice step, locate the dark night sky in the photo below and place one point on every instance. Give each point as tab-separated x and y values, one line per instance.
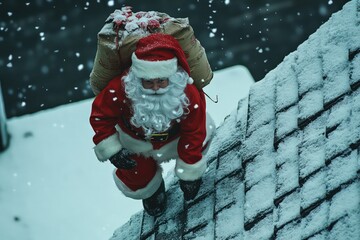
48	46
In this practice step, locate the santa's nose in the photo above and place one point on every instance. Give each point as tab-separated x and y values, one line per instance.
155	86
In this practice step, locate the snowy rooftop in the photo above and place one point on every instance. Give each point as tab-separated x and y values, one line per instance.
285	164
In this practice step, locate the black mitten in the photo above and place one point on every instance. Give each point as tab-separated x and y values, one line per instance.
190	188
122	160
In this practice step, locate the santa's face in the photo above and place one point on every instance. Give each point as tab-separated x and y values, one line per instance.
157	102
155	84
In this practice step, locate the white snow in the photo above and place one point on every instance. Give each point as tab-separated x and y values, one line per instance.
286	121
288	209
53	187
255	170
311	103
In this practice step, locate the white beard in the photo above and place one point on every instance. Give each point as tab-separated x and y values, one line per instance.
154	111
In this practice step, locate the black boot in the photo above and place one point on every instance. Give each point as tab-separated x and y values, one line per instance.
190	188
156	204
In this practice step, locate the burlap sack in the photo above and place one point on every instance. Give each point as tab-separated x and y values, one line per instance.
114	56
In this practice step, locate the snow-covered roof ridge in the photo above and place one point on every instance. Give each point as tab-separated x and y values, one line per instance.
286	163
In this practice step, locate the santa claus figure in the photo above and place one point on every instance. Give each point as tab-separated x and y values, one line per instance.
150	114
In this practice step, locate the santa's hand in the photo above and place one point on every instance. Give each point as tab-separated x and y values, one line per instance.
190	188
122	160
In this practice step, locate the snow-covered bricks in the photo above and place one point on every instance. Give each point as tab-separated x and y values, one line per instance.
286	163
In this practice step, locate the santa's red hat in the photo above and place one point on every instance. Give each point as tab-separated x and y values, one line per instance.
157	56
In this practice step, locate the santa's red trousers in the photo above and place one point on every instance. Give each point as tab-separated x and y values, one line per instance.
139	176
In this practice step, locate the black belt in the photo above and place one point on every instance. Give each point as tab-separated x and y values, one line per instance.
155	137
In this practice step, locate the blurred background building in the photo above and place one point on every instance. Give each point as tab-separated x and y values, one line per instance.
48	46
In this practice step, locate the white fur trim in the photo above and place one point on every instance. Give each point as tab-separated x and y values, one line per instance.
132	144
164	154
142	193
107	147
153	69
190	172
190	80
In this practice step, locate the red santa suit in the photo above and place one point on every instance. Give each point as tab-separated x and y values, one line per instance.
185	140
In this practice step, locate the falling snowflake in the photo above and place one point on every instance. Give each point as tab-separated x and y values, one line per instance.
80	67
180	170
110	3
196	106
115	98
187	146
260	50
112	91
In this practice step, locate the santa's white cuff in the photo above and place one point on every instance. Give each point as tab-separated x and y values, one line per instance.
142	193
107	147
190	172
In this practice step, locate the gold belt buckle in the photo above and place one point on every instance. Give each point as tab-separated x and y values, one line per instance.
159	136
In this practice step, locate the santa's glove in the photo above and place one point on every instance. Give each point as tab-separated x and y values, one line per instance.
122	159
190	188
